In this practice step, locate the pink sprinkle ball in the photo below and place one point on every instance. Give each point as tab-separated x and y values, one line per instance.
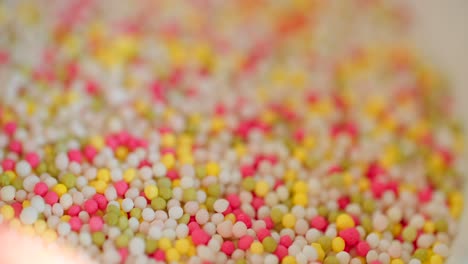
281	252
10	128
200	237
343	202
41	188
100	200
286	241
269	222
75	223
159	255
51	198
245	242
16	146
228	247
8	164
319	222
425	195
75	155
74	210
193	226
350	236
172	174
121	188
123	252
262	233
17	207
247	171
89	152
362	248
244	218
377	188
95	223
90	206
33	159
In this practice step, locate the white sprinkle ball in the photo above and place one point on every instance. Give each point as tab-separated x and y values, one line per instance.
85	238
191	207
7	193
221	205
63	228
155	232
182	231
343	257
29	215
140	202
373	240
30	182
21	195
127	205
110	193
176	212
136	246
310	253
148	214
23	168
239	229
133	223
38	203
414	261
66	201
202	216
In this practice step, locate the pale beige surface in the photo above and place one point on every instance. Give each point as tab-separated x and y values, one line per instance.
442	33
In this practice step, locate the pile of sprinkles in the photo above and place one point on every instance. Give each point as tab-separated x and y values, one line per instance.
247	131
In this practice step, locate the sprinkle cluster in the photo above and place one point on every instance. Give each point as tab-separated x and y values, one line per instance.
244	131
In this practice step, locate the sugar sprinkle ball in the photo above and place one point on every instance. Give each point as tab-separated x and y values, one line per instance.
246	131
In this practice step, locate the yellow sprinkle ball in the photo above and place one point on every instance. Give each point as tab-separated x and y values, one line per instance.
300	199
397	261
129	175
164	243
100	186
338	244
7	212
121	153
288	260
103	175
262	188
212	168
300	187
26	203
168	160
172	255
60	189
320	252
40	226
151	191
344	221
256	247
436	259
289	220
182	246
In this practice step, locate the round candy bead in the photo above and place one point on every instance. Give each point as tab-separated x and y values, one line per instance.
350	236
338	244
95	223
29	215
344	221
7	193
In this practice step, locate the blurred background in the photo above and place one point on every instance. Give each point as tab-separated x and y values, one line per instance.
440	30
